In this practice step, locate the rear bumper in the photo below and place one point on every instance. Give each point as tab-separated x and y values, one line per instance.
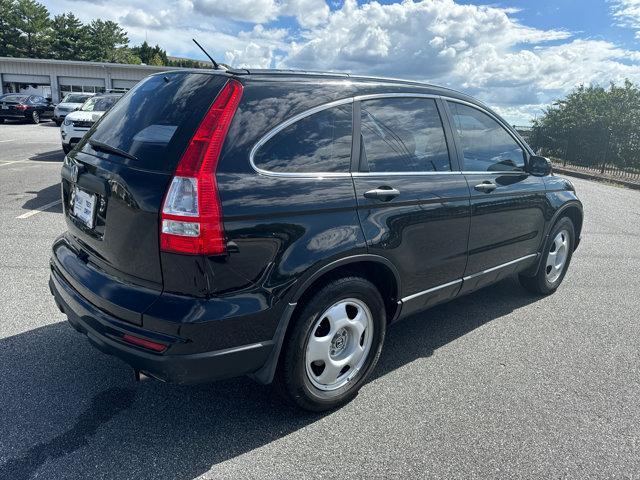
105	332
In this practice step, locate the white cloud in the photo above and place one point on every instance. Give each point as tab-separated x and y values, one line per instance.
254	11
627	14
483	50
142	18
308	13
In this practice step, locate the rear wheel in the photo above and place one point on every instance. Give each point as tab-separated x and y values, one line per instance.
66	148
555	261
334	345
1	120
35	117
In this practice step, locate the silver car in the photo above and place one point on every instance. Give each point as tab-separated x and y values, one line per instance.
70	103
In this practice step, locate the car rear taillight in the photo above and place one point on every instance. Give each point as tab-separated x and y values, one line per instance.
191	219
21	107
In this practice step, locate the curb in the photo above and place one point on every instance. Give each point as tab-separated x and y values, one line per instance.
592	176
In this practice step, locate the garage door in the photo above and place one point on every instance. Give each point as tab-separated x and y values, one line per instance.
33	79
123	84
81	82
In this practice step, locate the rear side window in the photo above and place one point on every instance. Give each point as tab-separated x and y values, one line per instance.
157	118
403	135
318	143
486	145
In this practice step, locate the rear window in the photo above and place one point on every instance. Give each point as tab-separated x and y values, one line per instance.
157	118
318	143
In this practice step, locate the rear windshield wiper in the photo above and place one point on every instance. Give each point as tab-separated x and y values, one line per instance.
103	147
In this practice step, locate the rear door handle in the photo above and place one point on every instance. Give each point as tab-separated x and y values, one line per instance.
486	187
382	193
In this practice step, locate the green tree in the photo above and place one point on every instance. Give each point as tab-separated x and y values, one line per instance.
151	55
105	38
592	126
156	60
125	55
9	33
32	20
70	38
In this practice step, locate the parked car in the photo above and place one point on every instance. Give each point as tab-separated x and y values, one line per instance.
275	224
18	106
77	123
70	103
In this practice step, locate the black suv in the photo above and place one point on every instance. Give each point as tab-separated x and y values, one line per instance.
275	223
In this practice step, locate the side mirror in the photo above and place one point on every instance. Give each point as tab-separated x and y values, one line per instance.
539	166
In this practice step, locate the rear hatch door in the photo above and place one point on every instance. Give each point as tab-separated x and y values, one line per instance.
115	180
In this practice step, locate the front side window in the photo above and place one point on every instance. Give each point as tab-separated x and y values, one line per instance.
318	143
486	145
403	135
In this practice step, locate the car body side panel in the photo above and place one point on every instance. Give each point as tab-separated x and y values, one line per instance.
281	227
507	223
423	231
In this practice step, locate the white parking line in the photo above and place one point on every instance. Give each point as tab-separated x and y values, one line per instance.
10	140
2	164
40	209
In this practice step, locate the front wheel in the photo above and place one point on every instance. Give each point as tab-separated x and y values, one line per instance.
334	344
58	122
555	261
66	148
35	117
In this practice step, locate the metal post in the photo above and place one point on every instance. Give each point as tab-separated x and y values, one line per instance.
606	152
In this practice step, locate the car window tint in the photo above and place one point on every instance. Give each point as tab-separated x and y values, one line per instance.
403	135
486	145
156	119
320	142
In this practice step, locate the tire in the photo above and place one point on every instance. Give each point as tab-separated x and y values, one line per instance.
555	259
58	122
353	309
35	117
66	148
1	120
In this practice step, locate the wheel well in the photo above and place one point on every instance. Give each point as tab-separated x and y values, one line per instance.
377	273
575	215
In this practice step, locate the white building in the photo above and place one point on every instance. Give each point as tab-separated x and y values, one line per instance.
55	78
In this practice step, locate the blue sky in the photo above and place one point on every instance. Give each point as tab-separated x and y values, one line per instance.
518	56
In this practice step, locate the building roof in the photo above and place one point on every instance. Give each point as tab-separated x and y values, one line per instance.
50	61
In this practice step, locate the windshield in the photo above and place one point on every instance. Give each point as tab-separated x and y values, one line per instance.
15	98
75	98
98	104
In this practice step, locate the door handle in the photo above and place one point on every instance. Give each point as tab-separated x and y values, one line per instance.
486	187
382	193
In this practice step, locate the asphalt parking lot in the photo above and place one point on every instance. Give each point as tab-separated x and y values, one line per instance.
497	384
